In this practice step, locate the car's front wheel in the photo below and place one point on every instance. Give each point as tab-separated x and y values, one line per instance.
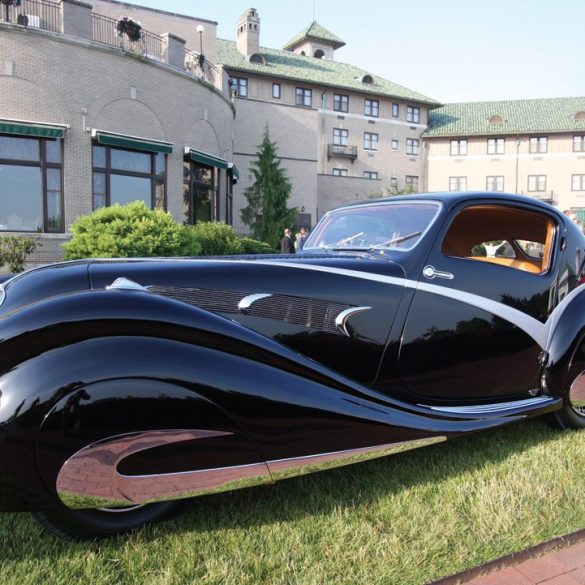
102	522
572	414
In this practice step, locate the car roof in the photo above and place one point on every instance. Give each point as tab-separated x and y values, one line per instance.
450	198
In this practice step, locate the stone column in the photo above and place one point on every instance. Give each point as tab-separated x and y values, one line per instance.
76	19
175	50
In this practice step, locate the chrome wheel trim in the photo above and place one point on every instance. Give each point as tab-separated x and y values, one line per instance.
577	394
121	510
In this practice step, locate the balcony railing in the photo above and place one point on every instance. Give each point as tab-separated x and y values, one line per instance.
33	14
105	31
334	150
198	65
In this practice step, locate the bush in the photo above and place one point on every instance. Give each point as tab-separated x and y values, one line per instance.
250	246
128	231
216	239
14	251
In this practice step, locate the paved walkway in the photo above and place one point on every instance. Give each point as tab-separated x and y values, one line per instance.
558	562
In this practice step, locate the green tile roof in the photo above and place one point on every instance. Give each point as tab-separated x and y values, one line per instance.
317	32
518	117
287	65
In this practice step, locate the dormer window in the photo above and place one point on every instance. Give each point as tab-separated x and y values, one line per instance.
579	116
367	78
319	54
497	119
257	58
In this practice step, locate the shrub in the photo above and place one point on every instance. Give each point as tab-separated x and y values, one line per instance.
216	239
250	246
128	231
14	251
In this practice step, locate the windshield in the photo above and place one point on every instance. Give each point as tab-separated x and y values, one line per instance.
395	226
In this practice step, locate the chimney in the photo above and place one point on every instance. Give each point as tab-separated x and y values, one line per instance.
248	33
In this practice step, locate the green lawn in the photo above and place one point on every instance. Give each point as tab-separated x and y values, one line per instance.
406	519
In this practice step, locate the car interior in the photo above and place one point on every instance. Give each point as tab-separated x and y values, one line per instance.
508	236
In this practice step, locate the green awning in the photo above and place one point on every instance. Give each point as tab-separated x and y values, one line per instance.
31	129
206	159
132	142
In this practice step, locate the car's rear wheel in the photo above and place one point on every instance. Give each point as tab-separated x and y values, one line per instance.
572	414
102	522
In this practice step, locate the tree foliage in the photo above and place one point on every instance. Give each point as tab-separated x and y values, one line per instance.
392	191
14	251
267	213
128	231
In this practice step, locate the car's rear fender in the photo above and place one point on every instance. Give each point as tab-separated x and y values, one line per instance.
565	352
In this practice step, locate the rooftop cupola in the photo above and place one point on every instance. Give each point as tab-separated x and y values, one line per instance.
315	41
248	33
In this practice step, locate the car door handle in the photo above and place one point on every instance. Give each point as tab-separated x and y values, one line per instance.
431	272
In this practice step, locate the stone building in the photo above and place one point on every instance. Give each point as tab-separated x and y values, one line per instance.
342	133
532	147
89	118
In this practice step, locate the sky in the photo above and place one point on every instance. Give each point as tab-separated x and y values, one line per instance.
449	50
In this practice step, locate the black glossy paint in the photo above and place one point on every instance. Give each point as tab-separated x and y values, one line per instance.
79	363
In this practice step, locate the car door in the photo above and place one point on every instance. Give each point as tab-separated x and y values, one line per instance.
475	329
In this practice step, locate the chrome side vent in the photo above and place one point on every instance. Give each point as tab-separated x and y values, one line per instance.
311	313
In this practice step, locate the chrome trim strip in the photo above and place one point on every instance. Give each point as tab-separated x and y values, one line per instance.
285	468
494	407
343	317
89	478
123	283
245	304
2	294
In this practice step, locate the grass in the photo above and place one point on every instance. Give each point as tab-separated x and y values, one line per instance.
407	519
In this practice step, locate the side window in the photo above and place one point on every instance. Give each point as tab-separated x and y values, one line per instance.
518	239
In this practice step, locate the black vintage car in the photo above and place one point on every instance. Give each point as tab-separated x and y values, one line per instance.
126	385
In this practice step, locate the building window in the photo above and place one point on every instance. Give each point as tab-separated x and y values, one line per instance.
340	136
395	110
304	97
459	147
239	86
394	144
122	176
200	192
31	185
412	146
578	182
372	108
370	141
496	145
579	143
339	172
457	183
413	114
394	182
495	183
340	103
536	182
411	182
276	91
538	144
370	175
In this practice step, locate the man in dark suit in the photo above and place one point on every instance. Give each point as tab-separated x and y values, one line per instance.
286	244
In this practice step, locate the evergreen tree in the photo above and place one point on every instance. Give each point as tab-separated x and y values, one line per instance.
267	213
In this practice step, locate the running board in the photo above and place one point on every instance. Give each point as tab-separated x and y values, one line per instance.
496	408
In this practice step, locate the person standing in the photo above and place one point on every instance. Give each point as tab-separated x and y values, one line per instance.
301	239
286	244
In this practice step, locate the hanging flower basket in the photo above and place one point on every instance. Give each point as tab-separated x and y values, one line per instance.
126	26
